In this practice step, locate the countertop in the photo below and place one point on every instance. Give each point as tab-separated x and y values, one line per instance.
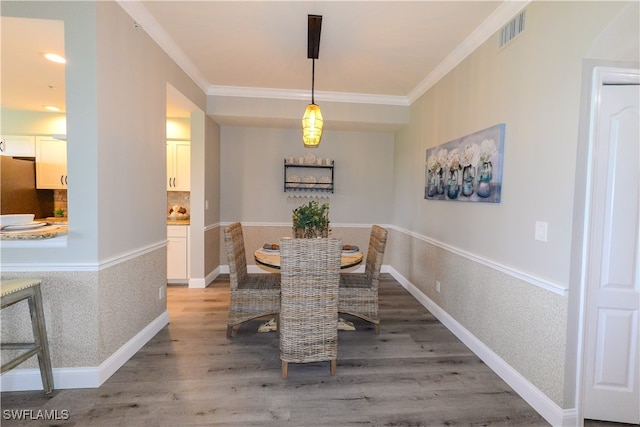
57	227
49	231
177	221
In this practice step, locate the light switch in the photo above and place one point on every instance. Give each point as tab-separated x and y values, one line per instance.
541	231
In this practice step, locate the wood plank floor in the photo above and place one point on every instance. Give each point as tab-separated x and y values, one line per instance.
415	373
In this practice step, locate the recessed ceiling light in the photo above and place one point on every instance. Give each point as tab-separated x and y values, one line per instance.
53	57
51	108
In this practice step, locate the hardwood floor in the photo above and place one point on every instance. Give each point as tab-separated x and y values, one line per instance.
415	373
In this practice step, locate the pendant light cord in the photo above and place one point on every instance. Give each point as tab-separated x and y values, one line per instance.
313	79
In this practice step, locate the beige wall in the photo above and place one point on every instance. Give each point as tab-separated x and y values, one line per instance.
105	285
252	162
505	287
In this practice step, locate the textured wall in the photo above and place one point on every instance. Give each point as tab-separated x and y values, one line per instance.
90	315
128	298
522	323
70	306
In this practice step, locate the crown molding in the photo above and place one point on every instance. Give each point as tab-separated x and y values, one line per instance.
490	25
304	95
143	18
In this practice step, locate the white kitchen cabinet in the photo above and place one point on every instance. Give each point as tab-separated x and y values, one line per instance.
177	254
178	165
51	163
18	146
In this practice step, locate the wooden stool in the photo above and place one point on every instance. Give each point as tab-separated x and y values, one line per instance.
11	292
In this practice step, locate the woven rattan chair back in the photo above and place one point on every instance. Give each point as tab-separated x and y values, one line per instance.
359	291
375	254
236	254
251	295
308	327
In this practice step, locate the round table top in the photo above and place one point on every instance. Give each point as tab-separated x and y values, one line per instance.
271	258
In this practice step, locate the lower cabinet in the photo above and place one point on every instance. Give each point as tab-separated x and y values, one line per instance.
177	253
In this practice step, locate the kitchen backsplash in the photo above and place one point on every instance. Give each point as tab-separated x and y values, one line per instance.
60	201
182	198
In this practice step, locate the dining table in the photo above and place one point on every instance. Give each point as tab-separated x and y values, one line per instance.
269	256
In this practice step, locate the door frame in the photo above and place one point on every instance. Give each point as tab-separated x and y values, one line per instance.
601	75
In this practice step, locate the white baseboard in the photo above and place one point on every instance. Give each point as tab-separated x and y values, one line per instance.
546	407
84	377
197	283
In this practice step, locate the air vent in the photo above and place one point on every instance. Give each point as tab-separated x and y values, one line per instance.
514	28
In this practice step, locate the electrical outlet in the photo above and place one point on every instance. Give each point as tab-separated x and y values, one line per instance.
161	292
541	231
437	286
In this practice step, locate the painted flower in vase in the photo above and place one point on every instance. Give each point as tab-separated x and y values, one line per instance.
432	167
443	154
488	150
453	163
470	158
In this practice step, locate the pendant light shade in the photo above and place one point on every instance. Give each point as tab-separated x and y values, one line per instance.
312	119
312	126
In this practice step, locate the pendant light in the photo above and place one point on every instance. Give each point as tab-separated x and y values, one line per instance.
312	119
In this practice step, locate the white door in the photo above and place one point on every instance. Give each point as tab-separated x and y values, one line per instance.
611	375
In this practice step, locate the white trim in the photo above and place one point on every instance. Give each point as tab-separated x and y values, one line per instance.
212	226
548	409
84	377
550	286
197	283
493	23
556	288
109	262
288	224
297	95
131	255
141	15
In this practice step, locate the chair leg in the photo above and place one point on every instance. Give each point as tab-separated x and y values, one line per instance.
285	370
230	331
333	368
377	328
40	336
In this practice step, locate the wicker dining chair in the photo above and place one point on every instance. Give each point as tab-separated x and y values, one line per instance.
252	295
359	291
308	327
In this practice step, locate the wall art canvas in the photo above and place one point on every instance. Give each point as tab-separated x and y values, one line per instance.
467	169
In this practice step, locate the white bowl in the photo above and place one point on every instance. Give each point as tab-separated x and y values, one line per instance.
16	219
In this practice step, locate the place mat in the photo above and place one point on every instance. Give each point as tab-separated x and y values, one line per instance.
272	325
271	247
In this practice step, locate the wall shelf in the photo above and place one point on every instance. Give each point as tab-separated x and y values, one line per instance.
308	177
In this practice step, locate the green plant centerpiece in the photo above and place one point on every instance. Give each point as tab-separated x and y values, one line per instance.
311	220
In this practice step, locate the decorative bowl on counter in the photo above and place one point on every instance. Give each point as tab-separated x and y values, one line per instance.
16	219
178	215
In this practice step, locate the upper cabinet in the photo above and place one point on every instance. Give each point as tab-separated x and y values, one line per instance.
18	146
178	165
51	163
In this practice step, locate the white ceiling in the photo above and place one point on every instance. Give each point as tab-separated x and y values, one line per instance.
386	51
